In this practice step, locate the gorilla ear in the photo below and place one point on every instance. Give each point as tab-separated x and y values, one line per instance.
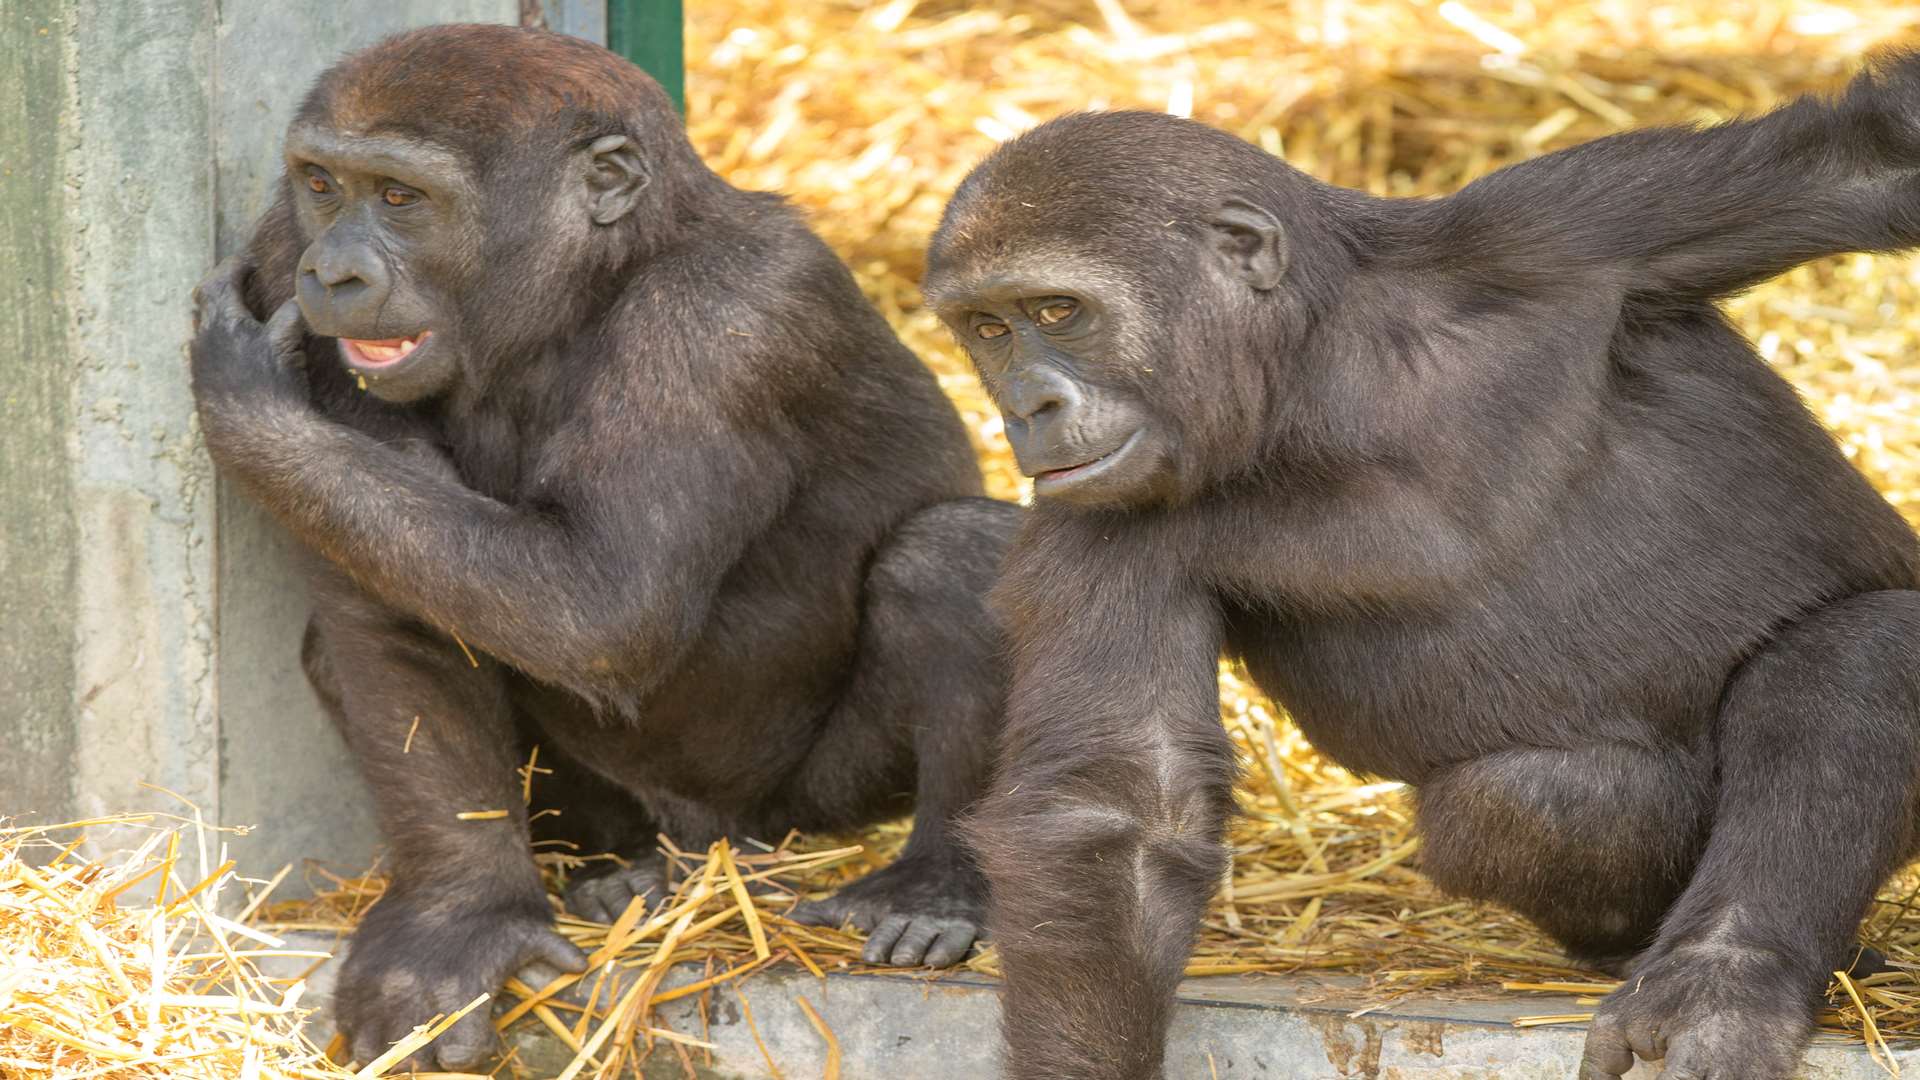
615	178
1249	243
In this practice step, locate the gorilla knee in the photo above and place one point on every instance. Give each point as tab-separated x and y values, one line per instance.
951	547
1593	843
1067	868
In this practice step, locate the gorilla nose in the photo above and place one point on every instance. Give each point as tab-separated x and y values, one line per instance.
1040	393
342	287
334	272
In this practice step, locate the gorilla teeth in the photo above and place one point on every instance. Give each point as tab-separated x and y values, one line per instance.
386	352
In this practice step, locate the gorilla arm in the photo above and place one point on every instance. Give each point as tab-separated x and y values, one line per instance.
600	594
1102	834
1697	214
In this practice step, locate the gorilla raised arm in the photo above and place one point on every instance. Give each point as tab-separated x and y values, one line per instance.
538	384
1490	496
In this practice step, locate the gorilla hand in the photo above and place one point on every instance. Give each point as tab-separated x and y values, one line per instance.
410	963
237	358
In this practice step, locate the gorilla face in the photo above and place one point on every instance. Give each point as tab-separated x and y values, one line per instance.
1078	426
395	237
1108	400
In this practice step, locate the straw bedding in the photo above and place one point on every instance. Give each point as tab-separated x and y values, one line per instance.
867	116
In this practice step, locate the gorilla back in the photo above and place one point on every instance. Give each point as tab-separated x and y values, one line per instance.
1487	492
537	385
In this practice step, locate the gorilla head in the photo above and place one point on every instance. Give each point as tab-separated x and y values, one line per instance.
1104	306
458	191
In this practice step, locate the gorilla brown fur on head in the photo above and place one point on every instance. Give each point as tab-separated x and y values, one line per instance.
535	382
1486	491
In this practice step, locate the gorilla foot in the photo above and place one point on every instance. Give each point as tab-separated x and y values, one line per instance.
913	912
409	964
604	896
1712	1012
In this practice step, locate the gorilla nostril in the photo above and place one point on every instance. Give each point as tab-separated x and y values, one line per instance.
334	277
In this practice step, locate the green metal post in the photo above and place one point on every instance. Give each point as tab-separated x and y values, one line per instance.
652	34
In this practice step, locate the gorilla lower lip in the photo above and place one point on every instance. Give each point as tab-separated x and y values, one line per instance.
382	352
1056	479
1072	470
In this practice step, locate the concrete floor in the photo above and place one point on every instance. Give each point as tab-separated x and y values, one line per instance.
1230	1027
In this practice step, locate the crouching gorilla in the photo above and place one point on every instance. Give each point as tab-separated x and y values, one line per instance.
599	452
1491	496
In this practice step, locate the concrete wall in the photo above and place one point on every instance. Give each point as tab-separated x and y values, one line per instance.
149	620
36	528
107	184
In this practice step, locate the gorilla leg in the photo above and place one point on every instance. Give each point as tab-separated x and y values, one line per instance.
1819	758
434	737
1592	844
585	813
917	726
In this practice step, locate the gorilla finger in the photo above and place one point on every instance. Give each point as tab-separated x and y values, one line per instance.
1647	1040
224	290
368	1044
912	946
548	947
286	332
585	901
1591	1069
952	946
1607	1054
880	943
627	901
467	1044
829	912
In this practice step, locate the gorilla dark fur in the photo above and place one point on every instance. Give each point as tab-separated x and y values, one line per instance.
711	532
1489	494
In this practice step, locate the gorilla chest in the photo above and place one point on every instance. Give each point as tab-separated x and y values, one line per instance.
1404	698
1353	698
493	455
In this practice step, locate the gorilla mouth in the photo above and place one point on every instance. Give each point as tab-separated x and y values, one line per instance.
382	353
1050	481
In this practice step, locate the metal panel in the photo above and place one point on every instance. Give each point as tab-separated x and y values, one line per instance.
652	34
581	18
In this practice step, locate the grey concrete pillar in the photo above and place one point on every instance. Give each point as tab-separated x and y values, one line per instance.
149	620
106	572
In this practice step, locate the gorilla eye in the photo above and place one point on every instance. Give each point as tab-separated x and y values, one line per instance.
399	196
990	329
1055	312
319	184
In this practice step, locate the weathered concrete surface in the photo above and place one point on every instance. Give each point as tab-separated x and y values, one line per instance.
125	89
893	1027
36	534
581	18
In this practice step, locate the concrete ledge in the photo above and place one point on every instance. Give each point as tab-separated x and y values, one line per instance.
895	1027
